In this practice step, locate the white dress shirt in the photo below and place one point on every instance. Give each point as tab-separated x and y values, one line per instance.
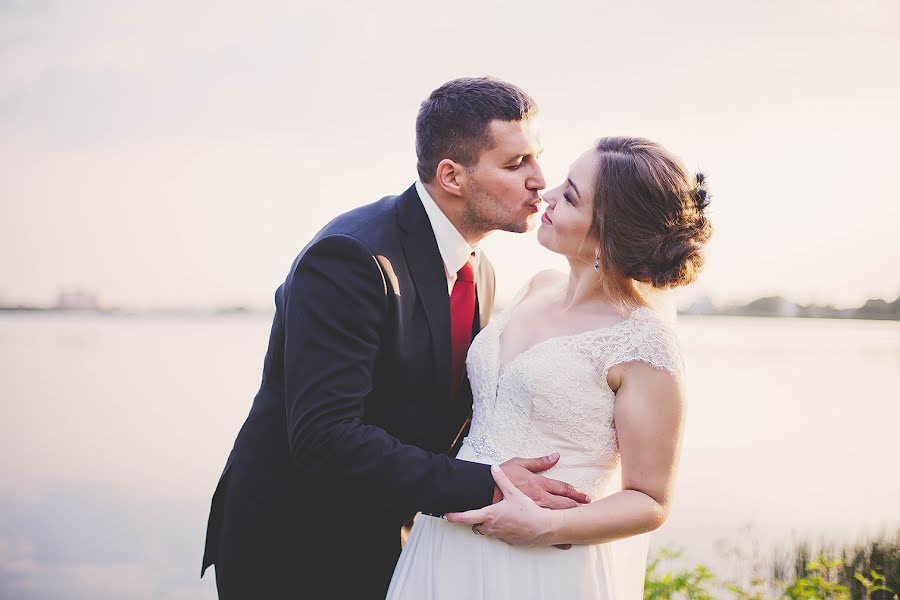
454	248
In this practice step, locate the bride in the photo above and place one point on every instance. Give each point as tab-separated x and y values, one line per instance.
581	364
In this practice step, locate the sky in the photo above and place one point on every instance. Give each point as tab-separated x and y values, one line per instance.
181	154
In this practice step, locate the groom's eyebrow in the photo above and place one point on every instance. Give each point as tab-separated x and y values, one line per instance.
574	187
524	154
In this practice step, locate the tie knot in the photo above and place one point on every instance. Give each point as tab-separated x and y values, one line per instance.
467	272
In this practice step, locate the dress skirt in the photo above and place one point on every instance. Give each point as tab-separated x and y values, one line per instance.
444	561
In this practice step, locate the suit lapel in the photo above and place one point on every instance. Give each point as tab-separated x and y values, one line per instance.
427	269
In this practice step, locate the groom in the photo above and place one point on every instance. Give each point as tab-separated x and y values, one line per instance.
364	388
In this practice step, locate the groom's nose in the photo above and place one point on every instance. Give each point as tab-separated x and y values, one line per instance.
536	180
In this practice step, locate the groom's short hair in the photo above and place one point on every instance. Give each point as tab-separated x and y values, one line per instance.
454	121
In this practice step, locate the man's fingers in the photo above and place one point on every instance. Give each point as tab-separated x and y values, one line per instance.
542	463
506	486
560	502
469	517
560	488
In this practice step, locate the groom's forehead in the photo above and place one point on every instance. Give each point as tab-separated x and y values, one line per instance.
515	139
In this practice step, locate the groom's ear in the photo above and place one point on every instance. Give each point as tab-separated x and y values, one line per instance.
451	176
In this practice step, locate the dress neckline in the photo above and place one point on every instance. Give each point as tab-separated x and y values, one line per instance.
504	367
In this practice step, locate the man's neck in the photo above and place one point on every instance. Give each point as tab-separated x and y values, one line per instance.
454	209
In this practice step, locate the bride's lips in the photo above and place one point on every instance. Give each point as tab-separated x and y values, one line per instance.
546	219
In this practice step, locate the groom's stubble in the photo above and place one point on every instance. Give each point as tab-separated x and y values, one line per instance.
485	212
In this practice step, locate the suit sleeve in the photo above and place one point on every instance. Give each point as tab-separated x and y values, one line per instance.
335	307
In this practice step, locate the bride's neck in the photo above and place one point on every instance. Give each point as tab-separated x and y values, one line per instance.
583	287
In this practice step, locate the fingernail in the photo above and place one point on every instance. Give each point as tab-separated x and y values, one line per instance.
553	455
495	468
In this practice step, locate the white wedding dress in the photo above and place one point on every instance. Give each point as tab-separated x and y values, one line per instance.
551	397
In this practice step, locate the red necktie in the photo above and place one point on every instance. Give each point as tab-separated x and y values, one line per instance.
462	313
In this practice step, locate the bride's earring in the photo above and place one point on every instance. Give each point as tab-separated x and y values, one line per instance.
597	262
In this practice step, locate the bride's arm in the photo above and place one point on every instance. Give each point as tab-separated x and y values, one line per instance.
649	417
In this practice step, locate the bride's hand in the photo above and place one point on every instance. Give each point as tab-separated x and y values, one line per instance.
516	519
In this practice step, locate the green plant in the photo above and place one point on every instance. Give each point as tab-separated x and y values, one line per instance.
688	584
861	562
876	584
756	593
818	578
819	582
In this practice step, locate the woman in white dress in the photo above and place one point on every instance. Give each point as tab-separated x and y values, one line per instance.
581	364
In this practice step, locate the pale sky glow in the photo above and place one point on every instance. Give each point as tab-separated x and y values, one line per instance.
183	153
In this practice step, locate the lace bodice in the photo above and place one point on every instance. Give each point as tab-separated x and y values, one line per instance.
554	395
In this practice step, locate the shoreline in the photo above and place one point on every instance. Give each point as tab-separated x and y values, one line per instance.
192	313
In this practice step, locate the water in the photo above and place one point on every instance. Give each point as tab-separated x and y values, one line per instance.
113	432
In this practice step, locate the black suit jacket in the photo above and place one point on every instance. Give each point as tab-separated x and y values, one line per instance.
348	434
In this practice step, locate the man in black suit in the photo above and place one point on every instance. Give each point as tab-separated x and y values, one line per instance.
363	391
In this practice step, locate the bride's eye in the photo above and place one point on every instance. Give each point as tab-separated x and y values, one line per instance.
568	199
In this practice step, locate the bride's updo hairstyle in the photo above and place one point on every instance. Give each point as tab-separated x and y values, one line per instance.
648	216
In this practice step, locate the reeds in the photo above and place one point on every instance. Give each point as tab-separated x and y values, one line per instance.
857	571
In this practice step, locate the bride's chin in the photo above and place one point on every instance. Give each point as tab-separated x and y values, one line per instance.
543	239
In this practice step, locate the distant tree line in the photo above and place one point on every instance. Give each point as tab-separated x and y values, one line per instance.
778	306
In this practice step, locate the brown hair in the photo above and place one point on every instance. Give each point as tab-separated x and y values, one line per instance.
453	122
648	216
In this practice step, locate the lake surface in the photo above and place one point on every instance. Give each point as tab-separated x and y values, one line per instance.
114	430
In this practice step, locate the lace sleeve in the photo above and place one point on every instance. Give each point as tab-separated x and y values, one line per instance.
646	338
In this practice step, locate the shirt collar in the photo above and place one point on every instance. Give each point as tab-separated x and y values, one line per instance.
454	248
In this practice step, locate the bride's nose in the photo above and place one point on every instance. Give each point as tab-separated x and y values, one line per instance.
550	198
